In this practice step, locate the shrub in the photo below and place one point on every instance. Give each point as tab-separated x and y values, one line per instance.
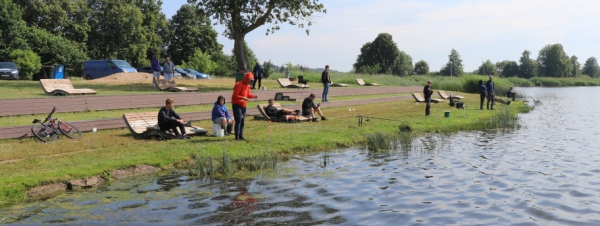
28	62
200	62
268	66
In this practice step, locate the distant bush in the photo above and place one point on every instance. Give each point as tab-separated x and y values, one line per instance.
27	61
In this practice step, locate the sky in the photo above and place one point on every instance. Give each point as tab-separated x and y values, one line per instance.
479	30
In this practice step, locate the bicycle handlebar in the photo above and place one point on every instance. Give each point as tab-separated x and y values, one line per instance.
50	115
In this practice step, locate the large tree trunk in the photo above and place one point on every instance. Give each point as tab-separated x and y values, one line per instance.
240	53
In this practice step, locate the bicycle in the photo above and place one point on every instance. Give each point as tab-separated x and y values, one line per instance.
51	128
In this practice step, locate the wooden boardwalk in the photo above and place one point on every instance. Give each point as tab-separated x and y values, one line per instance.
14	107
115	123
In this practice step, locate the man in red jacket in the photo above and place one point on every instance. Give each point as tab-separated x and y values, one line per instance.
239	100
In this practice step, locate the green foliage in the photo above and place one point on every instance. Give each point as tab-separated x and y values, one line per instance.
55	50
242	17
520	82
591	68
470	83
224	64
200	62
191	29
382	56
553	61
487	68
527	66
454	65
421	68
28	62
154	25
511	69
268	67
11	28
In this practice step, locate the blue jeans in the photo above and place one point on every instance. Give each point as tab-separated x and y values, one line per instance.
238	116
325	91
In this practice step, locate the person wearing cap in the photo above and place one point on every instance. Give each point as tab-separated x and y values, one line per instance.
491	93
427	92
510	93
239	100
309	108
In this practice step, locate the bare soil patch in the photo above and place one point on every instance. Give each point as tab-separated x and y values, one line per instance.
138	77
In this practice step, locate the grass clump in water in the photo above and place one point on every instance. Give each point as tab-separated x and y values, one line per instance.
227	165
503	119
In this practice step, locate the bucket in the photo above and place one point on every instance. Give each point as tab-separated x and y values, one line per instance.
447	114
217	131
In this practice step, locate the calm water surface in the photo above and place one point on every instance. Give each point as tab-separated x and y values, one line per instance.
546	173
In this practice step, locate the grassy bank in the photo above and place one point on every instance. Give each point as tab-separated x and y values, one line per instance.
465	83
28	163
95	115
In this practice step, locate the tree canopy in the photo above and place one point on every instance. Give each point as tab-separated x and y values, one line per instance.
487	68
454	65
241	17
553	61
527	66
421	68
591	67
382	56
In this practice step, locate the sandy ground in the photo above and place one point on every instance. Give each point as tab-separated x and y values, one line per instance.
126	78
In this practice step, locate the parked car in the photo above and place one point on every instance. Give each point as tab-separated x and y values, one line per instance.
184	73
9	70
93	69
197	74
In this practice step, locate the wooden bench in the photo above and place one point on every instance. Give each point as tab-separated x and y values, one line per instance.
339	85
262	109
361	82
286	83
62	87
170	85
444	96
143	125
419	98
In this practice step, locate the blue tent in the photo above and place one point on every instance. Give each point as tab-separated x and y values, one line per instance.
59	71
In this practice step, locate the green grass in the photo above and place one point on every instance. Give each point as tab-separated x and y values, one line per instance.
37	164
95	115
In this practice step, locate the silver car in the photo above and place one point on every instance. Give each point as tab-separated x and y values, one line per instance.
9	70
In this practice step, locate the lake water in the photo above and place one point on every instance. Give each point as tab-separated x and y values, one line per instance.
545	173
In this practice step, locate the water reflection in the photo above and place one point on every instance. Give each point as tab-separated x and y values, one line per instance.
545	173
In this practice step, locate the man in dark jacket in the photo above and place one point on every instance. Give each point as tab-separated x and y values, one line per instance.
326	80
273	111
427	92
309	108
491	94
259	71
169	120
482	93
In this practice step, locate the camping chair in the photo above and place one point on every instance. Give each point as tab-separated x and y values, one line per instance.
301	80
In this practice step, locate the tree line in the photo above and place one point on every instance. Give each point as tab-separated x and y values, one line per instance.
382	56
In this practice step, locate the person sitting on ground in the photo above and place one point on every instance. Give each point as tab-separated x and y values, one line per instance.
168	119
221	116
309	108
273	111
511	94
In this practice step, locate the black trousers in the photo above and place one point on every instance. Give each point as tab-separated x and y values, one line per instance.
238	115
490	99
173	125
482	97
259	80
427	106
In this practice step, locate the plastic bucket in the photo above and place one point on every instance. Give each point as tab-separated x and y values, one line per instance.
217	131
447	114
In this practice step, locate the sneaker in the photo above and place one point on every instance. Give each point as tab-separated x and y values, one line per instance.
315	120
179	137
323	118
185	136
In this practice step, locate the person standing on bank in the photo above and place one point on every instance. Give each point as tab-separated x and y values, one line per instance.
326	80
258	74
168	119
427	92
169	69
155	69
239	100
482	93
491	94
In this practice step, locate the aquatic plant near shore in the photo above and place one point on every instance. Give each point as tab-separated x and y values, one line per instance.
503	119
228	165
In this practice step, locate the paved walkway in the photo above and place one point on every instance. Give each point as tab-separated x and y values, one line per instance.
115	123
13	107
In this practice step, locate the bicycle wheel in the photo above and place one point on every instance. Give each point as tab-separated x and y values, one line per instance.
69	130
41	133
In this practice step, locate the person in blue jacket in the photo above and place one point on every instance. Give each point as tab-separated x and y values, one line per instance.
482	93
155	69
221	116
